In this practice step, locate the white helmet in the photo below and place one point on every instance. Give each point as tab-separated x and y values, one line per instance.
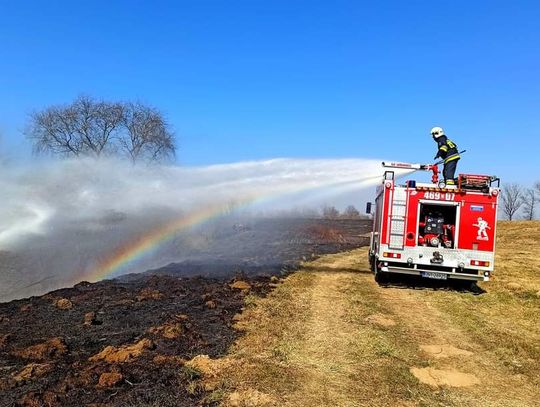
437	132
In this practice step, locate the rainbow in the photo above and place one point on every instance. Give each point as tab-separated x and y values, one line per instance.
135	249
138	247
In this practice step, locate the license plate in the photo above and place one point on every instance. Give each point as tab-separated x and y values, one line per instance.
436	276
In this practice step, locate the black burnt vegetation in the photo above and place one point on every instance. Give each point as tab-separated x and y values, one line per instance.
126	342
112	342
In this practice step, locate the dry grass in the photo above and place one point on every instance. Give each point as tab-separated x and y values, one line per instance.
505	320
329	336
311	343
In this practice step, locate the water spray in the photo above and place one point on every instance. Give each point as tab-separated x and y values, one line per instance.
84	219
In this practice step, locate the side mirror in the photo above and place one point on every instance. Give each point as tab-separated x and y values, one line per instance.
368	208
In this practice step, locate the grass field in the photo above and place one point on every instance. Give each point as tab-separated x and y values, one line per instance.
328	335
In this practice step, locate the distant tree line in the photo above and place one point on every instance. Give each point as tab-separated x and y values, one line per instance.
327	212
519	201
90	127
350	212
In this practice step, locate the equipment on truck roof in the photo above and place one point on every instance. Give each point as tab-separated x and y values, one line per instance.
434	168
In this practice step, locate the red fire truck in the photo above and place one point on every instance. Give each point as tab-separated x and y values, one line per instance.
433	230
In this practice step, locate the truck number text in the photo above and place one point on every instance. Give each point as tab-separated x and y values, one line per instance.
439	196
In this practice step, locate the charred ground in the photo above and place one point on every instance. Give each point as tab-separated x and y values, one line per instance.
125	341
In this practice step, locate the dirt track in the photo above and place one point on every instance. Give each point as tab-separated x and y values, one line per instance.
330	336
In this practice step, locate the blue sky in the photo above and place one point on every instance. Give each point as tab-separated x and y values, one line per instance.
242	80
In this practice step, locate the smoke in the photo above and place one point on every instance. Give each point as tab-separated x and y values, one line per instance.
57	219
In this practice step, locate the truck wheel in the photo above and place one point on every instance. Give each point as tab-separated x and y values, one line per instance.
373	265
381	277
473	288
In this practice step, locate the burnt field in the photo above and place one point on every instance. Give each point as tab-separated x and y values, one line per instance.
262	246
217	248
139	340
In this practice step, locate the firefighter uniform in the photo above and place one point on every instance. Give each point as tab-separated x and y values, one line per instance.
449	153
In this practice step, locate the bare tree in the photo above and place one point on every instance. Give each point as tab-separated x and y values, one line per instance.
530	200
512	199
85	127
147	135
311	213
330	212
351	212
89	127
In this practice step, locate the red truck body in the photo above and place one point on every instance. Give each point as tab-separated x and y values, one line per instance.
435	232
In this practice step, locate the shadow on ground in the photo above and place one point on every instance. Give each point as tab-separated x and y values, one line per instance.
334	269
419	283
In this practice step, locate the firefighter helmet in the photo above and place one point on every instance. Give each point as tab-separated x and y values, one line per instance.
437	132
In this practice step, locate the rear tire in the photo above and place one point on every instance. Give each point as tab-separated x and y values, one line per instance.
475	289
380	276
373	264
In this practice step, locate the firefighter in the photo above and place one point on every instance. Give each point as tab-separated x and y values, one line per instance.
448	152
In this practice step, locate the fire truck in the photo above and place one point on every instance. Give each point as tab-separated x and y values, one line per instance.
434	230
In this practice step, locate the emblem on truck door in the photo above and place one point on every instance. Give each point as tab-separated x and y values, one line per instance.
482	226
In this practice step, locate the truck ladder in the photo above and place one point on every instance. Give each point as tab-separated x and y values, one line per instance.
397	220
